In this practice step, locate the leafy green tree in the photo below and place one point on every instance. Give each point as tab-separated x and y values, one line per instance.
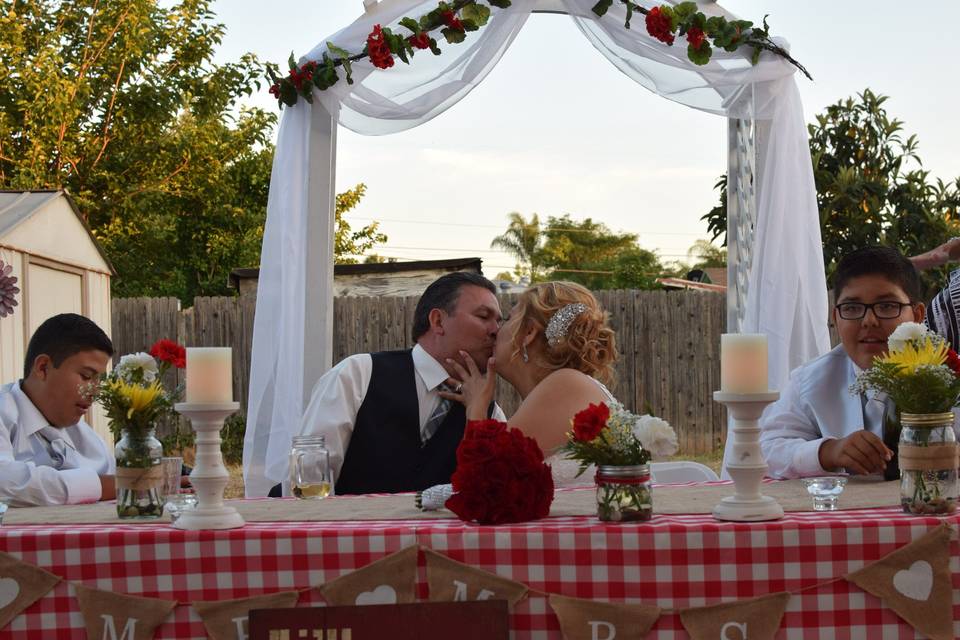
871	188
119	102
522	239
706	255
349	243
588	252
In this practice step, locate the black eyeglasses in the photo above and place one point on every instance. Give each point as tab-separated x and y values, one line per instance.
882	310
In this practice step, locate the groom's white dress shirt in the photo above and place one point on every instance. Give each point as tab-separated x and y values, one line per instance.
338	394
45	465
816	405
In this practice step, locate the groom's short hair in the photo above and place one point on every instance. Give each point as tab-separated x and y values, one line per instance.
443	294
882	261
62	336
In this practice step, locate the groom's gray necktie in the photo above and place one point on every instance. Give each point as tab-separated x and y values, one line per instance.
437	417
57	447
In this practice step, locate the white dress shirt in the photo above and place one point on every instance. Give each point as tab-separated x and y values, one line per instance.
45	465
816	405
338	394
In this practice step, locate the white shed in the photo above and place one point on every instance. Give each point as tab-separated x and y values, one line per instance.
60	268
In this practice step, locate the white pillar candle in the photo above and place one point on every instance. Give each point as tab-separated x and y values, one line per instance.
209	374
743	363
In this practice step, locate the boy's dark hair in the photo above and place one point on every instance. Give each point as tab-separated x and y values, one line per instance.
881	261
443	294
63	336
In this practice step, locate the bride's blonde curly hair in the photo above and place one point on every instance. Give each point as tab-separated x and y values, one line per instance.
589	344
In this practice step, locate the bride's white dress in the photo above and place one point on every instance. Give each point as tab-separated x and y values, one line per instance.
564	471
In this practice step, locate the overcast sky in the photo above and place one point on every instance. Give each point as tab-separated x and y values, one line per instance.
528	140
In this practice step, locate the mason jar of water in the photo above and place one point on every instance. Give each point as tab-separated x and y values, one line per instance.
310	468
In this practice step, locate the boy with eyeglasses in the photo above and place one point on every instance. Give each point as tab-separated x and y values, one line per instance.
817	426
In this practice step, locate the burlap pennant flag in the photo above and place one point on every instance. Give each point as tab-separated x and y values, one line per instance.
753	619
21	585
589	620
390	580
914	581
452	581
116	615
229	619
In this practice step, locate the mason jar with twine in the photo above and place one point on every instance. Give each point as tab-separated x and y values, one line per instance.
929	459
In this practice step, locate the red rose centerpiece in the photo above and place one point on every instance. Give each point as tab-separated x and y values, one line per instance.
501	476
620	444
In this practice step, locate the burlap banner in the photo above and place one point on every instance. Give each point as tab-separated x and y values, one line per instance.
589	620
228	619
390	580
452	581
753	619
914	581
21	585
115	615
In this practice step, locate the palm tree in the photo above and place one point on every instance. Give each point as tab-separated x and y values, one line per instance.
522	240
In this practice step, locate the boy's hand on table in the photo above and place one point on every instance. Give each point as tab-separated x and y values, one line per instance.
861	452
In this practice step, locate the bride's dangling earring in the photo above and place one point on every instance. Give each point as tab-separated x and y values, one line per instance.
523	353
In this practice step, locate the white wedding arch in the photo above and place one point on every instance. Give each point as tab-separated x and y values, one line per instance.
776	277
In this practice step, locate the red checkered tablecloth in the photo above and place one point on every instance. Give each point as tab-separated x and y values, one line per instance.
673	561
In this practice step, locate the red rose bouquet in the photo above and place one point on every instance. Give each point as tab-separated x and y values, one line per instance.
501	476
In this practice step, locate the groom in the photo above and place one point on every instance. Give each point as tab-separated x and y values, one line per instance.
385	425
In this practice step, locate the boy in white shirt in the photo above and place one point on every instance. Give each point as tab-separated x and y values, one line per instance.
48	454
817	426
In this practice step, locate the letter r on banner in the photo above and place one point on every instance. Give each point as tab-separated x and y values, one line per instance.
596	625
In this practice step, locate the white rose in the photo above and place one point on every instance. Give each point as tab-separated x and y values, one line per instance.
141	362
656	435
904	333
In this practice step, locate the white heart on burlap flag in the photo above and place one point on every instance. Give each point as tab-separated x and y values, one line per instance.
914	581
21	585
369	585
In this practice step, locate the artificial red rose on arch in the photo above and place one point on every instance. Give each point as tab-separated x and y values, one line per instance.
501	476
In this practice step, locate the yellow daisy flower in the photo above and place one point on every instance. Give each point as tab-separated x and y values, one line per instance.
912	356
138	396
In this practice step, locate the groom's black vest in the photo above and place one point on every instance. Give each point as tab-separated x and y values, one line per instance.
385	454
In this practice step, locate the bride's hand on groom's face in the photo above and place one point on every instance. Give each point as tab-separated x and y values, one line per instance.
475	388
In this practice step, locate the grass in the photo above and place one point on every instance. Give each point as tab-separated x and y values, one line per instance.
714	459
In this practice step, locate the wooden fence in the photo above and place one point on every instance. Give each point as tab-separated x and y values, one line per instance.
668	343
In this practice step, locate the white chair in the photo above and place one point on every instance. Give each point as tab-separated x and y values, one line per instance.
681	471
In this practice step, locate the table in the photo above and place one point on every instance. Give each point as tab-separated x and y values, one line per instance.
674	561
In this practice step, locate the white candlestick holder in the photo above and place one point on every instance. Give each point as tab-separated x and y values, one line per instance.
209	477
747	466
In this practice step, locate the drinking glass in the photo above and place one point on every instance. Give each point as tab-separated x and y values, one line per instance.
825	491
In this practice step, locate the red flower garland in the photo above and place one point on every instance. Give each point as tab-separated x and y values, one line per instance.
659	26
500	476
378	49
170	352
420	41
451	20
695	37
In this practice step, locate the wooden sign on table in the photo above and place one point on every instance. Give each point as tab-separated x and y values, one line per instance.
481	620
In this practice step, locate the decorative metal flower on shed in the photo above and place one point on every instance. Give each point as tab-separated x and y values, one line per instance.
7	290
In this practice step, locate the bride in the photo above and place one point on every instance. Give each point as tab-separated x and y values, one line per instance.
556	349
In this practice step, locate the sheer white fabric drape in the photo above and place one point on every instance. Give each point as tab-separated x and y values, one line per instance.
787	295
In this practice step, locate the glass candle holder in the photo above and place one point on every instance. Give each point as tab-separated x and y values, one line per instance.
825	491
